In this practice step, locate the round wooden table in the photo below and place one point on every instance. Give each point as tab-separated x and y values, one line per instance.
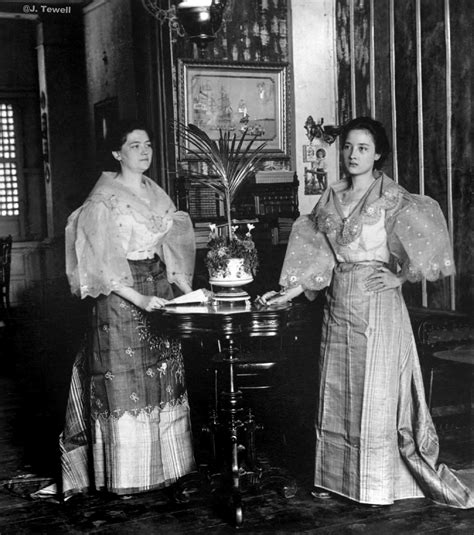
226	323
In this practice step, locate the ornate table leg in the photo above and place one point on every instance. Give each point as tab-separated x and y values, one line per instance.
223	431
235	434
234	397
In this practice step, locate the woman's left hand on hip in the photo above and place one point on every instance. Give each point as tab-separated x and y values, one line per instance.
382	279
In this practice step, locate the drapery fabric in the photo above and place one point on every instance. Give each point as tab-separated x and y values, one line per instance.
375	440
114	225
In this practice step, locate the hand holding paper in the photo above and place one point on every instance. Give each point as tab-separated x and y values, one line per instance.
198	296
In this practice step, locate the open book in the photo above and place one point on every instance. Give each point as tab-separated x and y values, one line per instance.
198	296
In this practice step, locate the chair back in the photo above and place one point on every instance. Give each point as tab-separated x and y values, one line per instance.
5	266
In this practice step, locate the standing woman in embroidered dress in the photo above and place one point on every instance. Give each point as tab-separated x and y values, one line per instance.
375	440
127	426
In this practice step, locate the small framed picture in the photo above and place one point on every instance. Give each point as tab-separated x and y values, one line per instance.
309	153
320	154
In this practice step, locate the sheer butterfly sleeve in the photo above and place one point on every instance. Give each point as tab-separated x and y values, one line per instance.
419	239
95	260
309	259
179	249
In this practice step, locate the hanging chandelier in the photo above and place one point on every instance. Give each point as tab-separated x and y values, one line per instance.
198	19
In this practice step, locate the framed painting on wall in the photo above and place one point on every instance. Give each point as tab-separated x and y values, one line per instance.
236	97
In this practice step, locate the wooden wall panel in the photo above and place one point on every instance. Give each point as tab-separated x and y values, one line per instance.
362	57
434	99
406	102
462	43
343	60
433	63
406	97
382	70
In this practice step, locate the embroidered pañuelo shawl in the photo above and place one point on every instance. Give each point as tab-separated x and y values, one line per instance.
96	255
418	240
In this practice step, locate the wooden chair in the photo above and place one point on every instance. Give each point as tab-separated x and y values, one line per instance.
444	339
5	265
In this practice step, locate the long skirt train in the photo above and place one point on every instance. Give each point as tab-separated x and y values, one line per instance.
375	439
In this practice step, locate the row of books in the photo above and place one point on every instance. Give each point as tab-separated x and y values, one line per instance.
201	235
270	204
278	234
204	203
274	177
284	228
213	208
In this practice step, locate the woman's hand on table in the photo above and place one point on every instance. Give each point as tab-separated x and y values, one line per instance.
383	279
145	302
274	298
270	298
152	302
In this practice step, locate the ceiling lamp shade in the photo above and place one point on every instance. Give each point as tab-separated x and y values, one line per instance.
198	19
201	19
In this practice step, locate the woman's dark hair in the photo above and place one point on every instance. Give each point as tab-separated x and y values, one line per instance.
376	129
118	134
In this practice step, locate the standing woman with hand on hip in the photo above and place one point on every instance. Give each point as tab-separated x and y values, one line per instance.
127	426
375	439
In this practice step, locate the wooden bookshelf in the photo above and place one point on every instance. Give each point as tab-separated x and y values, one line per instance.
271	206
262	200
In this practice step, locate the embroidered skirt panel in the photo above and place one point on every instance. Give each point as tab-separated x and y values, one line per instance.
127	423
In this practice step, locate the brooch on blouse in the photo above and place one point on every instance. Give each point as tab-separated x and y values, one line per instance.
348	229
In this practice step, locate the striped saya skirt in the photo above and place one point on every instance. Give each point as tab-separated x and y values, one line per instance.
127	427
375	439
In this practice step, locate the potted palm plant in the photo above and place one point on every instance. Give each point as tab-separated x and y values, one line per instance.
230	161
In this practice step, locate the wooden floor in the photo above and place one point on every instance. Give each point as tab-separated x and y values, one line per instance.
153	512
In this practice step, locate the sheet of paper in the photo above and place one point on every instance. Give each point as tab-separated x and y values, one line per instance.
198	296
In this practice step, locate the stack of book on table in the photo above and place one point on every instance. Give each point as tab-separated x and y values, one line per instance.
284	229
201	233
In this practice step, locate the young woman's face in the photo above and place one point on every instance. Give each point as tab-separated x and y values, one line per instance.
359	152
135	154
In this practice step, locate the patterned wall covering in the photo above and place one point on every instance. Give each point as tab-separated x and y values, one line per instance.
413	102
252	30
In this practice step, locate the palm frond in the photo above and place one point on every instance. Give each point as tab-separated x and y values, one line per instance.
205	149
225	155
245	165
230	160
209	181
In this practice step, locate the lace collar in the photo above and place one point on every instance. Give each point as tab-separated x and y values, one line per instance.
328	217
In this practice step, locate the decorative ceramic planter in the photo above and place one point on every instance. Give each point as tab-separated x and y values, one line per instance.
231	279
234	274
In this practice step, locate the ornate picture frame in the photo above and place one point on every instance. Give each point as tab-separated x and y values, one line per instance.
218	95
